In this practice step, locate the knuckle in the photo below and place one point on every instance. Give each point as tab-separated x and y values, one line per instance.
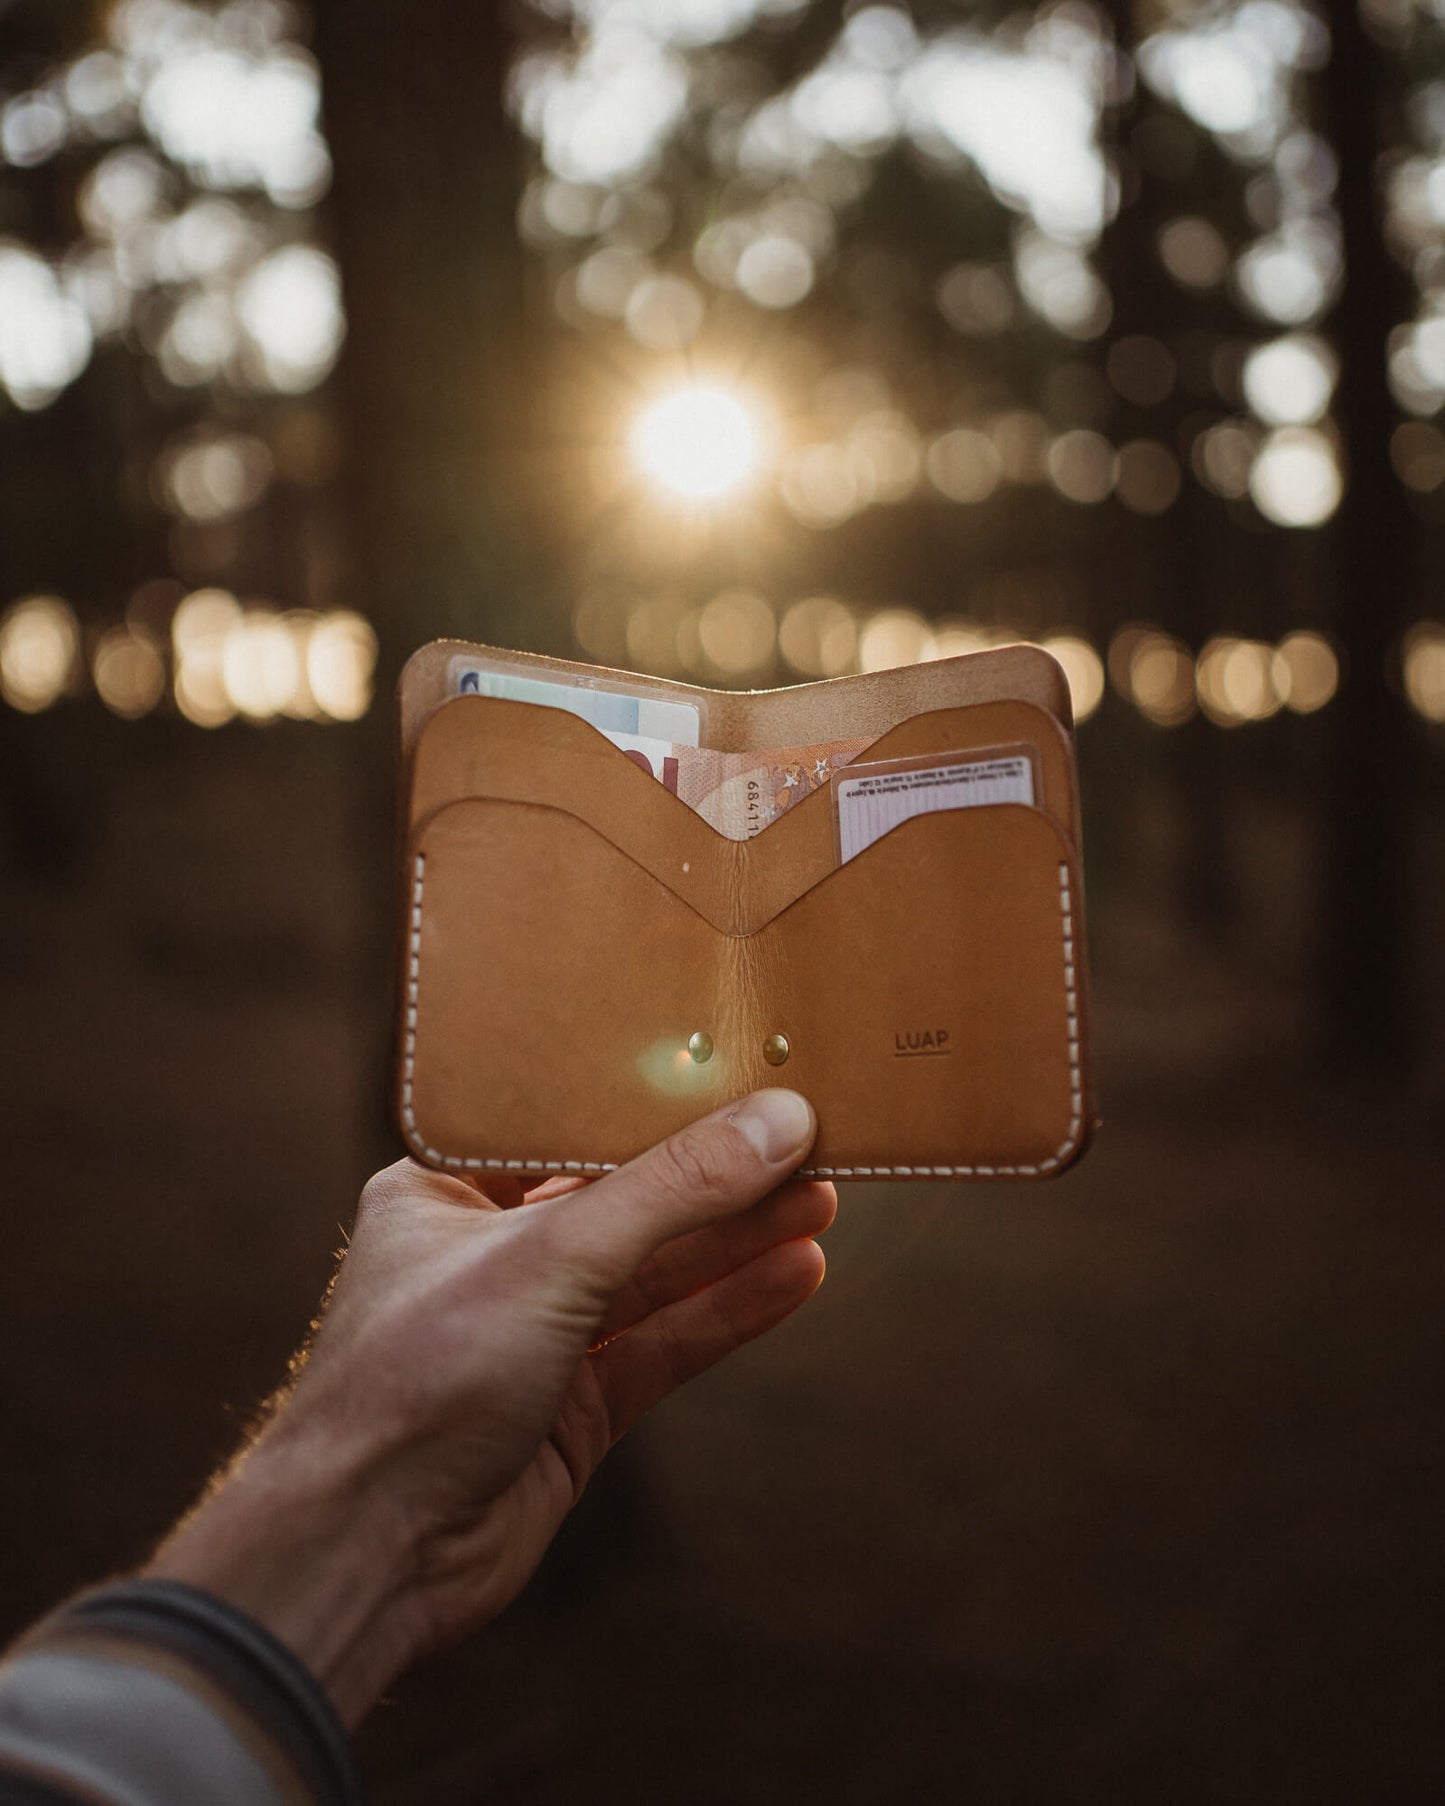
696	1160
403	1180
378	1192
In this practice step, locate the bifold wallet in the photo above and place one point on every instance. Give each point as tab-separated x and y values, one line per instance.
587	963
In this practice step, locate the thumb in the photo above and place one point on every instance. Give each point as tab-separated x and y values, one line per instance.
712	1169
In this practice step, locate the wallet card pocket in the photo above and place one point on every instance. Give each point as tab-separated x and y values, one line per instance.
479	746
557	994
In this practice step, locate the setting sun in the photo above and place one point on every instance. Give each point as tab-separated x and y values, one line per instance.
697	442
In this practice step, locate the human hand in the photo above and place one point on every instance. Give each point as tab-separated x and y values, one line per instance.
480	1351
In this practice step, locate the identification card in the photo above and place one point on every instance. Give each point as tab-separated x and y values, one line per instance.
872	799
613	709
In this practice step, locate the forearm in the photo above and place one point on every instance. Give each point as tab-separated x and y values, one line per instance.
307	1540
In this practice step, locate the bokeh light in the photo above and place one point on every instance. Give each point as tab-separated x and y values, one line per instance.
976	299
1081	465
217	100
664	313
1296	480
954	638
1083	668
213	478
1234	679
775	271
1194	252
290	306
199	631
1291	275
260	668
1147	476
1289	381
45	336
341	664
1417	451
1154	671
260	663
697	442
1223	455
885	444
1021	438
894	636
964	465
39	650
1424	669
129	673
1061	286
234	118
823	484
1306	672
655	629
737	631
819	637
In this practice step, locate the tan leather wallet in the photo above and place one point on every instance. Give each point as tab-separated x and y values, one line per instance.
586	963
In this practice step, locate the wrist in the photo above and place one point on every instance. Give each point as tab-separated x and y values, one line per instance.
310	1545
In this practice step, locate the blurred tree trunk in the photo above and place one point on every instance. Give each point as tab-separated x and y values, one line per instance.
433	384
1364	804
1164	569
432	389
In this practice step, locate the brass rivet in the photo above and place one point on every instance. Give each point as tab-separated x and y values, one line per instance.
700	1047
775	1049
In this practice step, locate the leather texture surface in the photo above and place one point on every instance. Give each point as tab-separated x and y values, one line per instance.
569	925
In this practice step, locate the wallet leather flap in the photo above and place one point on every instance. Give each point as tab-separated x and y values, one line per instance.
928	992
837	708
475	746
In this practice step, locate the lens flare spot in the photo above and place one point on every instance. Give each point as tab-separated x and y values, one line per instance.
698	442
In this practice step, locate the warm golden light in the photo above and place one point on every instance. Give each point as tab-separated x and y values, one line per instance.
964	465
198	636
340	664
699	442
1235	681
259	666
1081	465
824	484
1306	672
1425	669
1084	669
895	636
1146	476
1296	480
738	632
1156	673
39	643
129	675
819	636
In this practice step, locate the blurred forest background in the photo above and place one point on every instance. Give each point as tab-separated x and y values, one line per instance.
750	342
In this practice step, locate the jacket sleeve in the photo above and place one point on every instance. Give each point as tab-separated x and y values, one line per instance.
149	1693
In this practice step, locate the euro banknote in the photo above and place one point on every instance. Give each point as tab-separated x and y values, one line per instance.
741	793
738	793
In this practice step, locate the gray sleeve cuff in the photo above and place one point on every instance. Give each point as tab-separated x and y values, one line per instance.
149	1692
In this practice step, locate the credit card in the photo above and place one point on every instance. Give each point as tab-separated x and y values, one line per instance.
612	711
870	800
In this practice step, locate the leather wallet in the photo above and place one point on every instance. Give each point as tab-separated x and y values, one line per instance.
586	963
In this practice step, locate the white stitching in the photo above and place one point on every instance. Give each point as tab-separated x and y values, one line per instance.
1055	1160
408	1111
1076	1091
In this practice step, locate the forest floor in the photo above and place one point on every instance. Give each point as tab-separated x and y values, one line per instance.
1120	1487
